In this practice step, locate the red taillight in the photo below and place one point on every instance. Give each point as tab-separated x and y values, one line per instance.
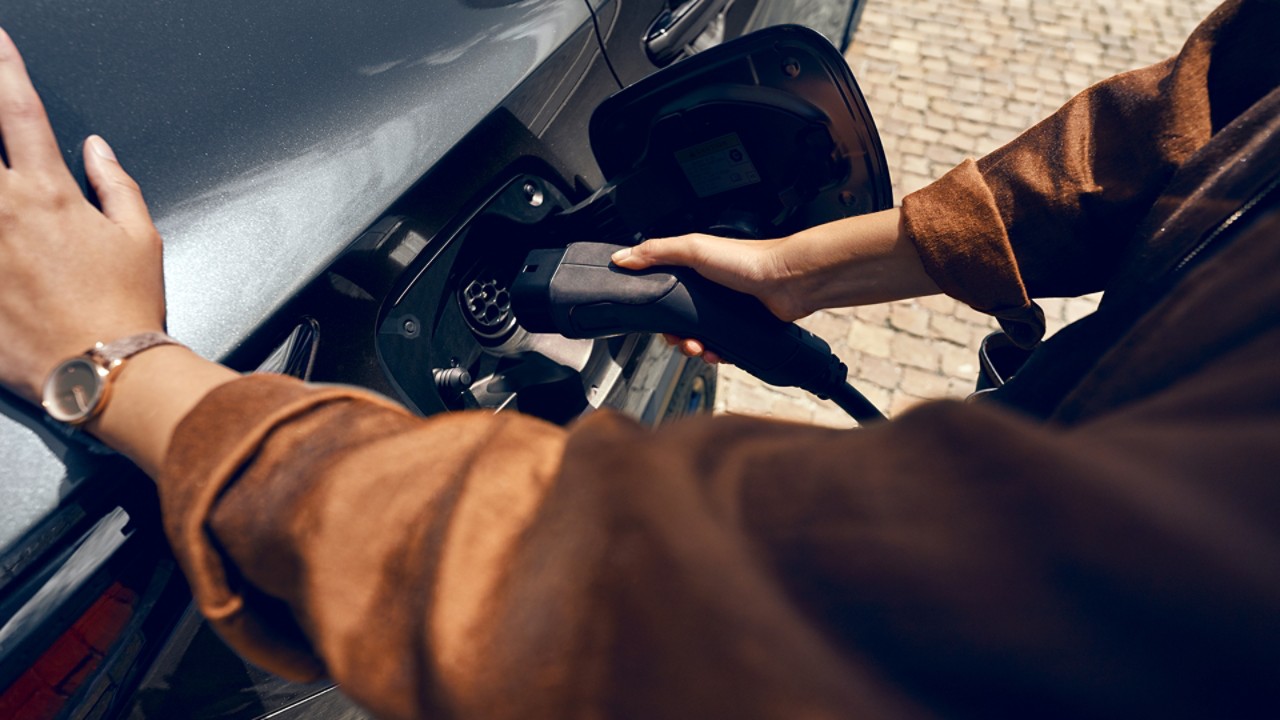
41	692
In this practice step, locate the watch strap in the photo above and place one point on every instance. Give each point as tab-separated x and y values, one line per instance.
107	358
117	351
73	436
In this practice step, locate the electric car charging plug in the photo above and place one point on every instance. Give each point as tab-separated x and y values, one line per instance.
577	292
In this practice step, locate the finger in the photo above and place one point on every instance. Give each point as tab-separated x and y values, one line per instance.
28	138
118	193
679	250
691	347
695	349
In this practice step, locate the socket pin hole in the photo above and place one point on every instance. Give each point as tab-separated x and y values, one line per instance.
486	305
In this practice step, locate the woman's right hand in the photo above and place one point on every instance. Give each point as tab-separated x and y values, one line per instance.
855	261
749	266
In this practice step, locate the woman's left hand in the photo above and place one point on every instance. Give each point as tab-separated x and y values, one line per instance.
71	275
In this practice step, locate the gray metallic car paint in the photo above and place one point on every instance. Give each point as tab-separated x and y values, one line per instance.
235	144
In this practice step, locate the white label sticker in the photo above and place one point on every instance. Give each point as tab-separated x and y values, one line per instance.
717	165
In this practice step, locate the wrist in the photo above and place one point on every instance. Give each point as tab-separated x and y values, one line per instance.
63	344
78	387
787	277
152	394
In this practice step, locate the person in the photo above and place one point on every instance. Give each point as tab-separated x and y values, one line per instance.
1106	546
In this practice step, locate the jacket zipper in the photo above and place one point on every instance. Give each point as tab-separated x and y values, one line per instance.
1227	224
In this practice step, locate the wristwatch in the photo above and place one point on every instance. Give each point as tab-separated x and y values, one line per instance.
79	387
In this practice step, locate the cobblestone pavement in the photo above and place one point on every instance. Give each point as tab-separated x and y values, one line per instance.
949	79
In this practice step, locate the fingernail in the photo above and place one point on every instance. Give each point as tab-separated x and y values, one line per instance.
101	148
621	255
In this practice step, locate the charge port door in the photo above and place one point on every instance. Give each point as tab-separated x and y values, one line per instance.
759	137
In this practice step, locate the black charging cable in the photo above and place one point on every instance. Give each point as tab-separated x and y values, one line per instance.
848	399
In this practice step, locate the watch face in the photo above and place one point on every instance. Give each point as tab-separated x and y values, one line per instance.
73	390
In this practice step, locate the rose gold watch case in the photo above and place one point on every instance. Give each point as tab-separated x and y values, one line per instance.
77	389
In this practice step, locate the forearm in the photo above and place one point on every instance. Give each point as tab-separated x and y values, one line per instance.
432	574
854	261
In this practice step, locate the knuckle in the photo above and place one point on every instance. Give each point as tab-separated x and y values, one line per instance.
48	186
646	250
23	106
50	191
700	245
658	250
146	235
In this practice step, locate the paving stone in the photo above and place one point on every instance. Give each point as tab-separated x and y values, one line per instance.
872	340
915	100
827	324
941	123
878	396
940	169
920	383
904	46
968	314
938	304
957	361
958	142
915	352
957	388
915	164
909	317
910	146
925	134
791	408
872	314
948	327
880	372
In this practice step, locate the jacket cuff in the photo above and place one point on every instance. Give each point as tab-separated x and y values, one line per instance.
206	454
957	229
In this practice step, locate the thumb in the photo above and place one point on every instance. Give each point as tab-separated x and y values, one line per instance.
119	194
678	250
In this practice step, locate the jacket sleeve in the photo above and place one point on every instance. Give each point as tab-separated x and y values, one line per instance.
493	566
1052	212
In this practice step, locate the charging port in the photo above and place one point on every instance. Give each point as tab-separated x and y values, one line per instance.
486	306
468	349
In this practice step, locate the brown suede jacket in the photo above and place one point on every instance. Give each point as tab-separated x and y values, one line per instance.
1120	558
